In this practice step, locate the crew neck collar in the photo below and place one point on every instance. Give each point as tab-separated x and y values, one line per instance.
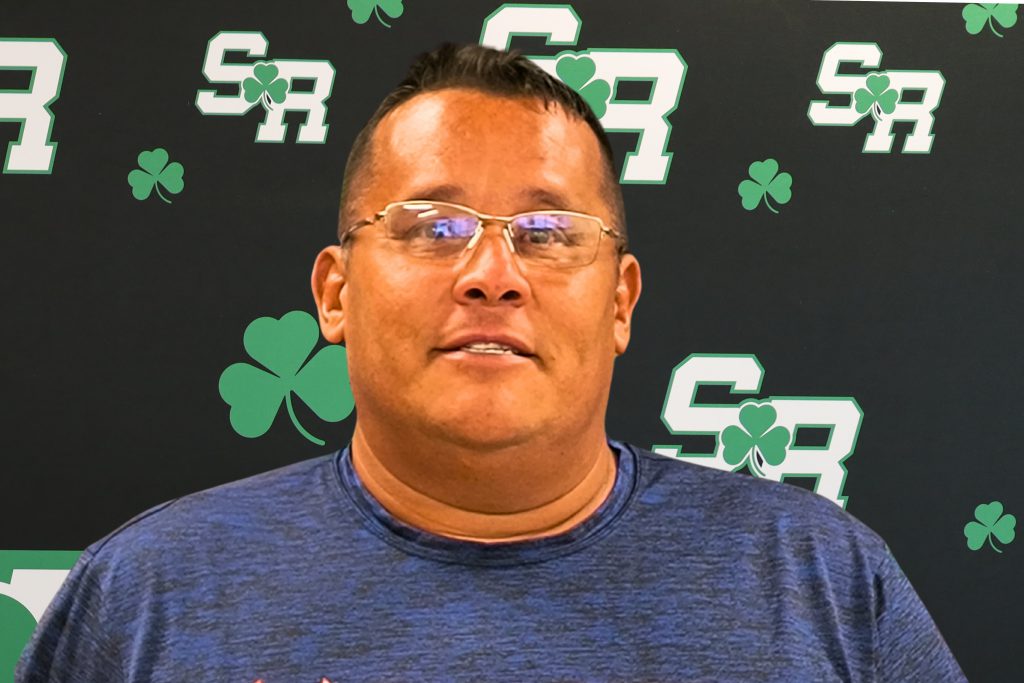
433	546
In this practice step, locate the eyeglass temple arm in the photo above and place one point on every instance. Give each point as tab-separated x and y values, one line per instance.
359	224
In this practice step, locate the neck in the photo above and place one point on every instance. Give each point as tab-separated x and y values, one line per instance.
514	493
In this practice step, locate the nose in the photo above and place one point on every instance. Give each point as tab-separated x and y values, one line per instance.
489	271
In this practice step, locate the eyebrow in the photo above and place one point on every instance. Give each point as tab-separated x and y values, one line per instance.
537	197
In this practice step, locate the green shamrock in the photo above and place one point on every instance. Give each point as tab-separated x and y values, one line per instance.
264	85
765	182
877	96
991	521
576	72
755	438
156	172
361	10
977	15
282	346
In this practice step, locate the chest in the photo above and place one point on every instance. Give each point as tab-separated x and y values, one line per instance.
405	623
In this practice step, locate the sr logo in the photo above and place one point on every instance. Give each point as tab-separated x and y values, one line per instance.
32	152
881	95
764	435
597	74
268	83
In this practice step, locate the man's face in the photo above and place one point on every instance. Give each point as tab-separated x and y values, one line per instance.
399	317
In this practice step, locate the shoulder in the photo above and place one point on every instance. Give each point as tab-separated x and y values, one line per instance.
213	519
166	561
759	514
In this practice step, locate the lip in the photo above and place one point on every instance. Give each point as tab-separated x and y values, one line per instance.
486	361
456	342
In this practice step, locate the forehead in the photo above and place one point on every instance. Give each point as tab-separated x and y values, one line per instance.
485	147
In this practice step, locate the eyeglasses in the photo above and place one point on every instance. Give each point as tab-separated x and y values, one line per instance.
443	231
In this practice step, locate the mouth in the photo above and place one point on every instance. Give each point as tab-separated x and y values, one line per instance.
490	346
489	349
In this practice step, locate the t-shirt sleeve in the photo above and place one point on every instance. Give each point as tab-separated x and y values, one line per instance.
910	647
71	641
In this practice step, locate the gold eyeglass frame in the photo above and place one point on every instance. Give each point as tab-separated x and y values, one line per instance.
483	218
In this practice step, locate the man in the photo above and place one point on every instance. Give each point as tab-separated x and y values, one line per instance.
481	526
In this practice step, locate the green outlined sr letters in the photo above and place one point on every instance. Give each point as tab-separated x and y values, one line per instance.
840	417
664	69
44	58
862	87
312	101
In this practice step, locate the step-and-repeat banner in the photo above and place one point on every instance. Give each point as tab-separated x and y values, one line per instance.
825	198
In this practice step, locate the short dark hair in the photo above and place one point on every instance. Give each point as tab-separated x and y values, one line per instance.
497	72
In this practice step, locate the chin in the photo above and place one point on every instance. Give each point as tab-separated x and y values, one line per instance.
485	432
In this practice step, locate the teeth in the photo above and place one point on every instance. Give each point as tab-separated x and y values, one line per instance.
488	347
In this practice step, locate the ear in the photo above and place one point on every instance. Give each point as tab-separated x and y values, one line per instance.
626	295
329	284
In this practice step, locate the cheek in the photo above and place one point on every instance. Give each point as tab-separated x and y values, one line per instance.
381	331
389	316
584	319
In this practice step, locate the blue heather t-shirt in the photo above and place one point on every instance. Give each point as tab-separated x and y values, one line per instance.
297	575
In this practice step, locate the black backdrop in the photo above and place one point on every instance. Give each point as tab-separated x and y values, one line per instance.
891	278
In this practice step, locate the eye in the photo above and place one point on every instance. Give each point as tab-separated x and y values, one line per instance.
546	230
547	237
544	221
436	229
